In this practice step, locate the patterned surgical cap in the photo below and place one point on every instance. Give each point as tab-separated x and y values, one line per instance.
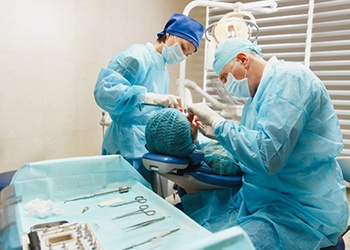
168	132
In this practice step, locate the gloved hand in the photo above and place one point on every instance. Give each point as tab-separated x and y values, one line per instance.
167	101
205	114
206	130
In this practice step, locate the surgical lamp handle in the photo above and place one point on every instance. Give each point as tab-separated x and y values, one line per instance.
240	14
266	7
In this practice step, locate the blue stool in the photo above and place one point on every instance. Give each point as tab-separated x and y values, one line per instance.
5	178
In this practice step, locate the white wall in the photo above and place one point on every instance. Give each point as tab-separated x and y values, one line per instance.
50	55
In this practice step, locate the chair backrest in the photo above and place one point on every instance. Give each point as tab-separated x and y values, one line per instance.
344	162
5	178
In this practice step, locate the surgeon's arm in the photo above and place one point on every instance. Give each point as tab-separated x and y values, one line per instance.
268	145
266	149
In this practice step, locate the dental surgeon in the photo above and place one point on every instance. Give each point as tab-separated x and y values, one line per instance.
293	194
135	85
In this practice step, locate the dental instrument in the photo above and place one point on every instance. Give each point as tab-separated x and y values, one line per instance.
153	238
142	105
142	209
121	190
145	223
139	199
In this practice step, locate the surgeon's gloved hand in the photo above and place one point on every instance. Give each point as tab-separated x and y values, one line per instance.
205	114
206	130
166	100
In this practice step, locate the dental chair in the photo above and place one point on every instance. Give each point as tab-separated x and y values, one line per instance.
5	178
190	173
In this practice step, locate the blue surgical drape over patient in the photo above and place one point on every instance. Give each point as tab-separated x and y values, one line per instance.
293	195
121	88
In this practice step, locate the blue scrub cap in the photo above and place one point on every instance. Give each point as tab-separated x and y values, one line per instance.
185	27
168	132
229	50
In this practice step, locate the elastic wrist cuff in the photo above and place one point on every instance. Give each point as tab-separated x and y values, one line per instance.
218	122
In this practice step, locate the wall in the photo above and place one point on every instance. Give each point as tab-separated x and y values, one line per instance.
50	55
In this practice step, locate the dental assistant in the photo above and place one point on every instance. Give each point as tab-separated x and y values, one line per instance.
138	76
293	194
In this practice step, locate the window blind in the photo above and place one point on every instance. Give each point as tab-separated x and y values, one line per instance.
314	32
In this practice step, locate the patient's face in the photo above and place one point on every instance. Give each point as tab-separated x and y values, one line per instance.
194	128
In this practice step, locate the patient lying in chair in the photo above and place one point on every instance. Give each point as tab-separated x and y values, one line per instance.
170	132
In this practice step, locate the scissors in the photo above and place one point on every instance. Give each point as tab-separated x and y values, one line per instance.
142	209
139	199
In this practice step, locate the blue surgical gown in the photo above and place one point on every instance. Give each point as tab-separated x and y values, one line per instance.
120	89
293	195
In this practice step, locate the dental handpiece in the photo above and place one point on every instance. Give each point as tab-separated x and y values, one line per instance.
121	190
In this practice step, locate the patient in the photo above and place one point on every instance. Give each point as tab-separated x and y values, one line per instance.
170	132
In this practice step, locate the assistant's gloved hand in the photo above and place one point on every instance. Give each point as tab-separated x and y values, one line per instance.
205	114
166	100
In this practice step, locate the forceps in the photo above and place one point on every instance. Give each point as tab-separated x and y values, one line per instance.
142	209
139	199
145	223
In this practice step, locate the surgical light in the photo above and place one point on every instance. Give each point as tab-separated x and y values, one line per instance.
233	24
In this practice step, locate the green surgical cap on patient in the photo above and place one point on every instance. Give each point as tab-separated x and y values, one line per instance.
229	49
168	132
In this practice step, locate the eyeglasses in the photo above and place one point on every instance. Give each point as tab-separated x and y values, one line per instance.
223	76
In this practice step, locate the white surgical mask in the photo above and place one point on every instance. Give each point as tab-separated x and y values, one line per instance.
173	54
238	88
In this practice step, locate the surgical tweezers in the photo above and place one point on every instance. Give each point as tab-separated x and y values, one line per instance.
153	238
120	190
145	223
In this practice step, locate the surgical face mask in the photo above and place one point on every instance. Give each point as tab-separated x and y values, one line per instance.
238	88
173	54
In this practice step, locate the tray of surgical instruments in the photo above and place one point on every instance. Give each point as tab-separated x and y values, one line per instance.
61	235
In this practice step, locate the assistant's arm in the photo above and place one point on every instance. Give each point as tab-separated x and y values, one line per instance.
116	91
